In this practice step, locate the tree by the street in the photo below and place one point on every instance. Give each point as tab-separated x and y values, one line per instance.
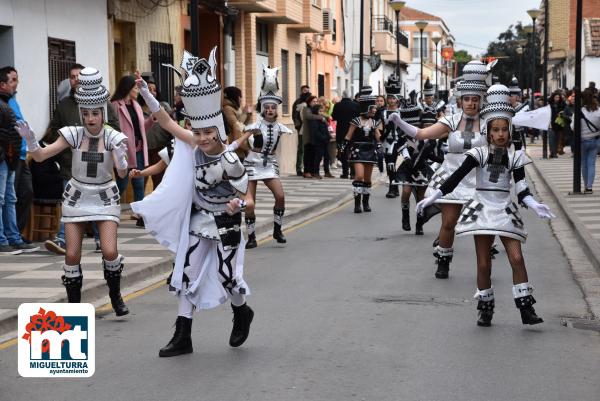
510	62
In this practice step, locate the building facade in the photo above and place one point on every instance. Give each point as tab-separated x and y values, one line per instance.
42	42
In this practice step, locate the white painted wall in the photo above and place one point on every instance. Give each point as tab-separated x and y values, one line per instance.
33	21
590	71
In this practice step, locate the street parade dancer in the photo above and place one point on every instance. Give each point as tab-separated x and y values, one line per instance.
391	136
91	194
462	131
519	134
491	210
416	170
364	137
196	210
261	161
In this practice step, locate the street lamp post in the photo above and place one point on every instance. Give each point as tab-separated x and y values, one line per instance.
534	14
361	53
546	45
528	29
421	25
397	5
576	148
436	39
194	25
519	51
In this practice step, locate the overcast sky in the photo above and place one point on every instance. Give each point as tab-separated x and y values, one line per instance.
477	22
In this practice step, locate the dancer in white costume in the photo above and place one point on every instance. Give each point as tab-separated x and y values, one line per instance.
196	210
491	210
261	162
462	131
91	194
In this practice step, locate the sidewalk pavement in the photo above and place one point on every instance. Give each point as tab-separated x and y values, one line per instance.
582	211
35	277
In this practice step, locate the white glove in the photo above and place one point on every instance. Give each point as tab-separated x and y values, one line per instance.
235	205
150	100
28	135
403	125
430	200
540	209
405	153
120	155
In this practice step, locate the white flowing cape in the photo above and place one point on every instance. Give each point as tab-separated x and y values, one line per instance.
167	210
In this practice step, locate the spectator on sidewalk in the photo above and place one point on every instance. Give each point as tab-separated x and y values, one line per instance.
10	145
297	107
134	126
309	153
319	139
343	112
567	116
590	138
555	133
23	184
66	114
157	137
236	117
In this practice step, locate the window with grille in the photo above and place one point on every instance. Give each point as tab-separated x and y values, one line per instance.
61	55
162	53
285	82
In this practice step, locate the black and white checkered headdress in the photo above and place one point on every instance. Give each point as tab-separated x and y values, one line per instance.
201	92
428	89
366	100
410	110
498	106
514	87
474	76
393	86
90	93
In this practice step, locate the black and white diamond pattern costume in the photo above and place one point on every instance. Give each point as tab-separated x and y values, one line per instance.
491	209
91	194
187	213
261	162
458	142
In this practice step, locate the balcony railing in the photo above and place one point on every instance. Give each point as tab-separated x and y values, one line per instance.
382	23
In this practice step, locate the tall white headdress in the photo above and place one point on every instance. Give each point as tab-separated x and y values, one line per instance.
201	92
498	106
269	90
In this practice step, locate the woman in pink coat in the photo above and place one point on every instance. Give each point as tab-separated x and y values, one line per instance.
134	125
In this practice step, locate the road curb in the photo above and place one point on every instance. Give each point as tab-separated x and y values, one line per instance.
92	292
590	245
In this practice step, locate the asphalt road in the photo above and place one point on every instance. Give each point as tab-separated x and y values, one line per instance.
349	310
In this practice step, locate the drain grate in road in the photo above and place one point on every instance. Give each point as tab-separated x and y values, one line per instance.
421	300
581	323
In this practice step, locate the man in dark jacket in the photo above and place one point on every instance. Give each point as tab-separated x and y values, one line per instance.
296	117
67	114
343	112
10	146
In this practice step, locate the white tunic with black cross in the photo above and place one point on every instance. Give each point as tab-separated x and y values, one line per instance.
91	194
491	209
391	138
458	142
261	162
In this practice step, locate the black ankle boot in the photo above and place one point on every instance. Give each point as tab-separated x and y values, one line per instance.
357	203
242	317
73	287
365	202
278	235
181	343
113	281
393	191
486	312
443	266
251	243
419	226
528	315
405	217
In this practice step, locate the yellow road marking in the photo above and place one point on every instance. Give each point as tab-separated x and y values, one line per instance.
108	308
